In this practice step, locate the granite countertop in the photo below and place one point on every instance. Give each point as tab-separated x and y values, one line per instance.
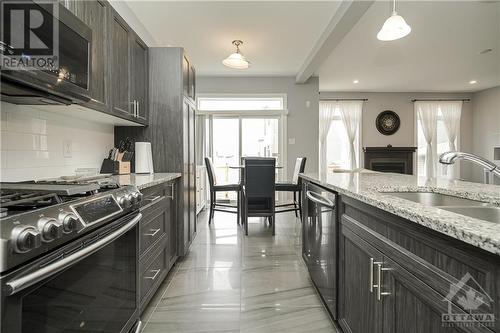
368	187
143	181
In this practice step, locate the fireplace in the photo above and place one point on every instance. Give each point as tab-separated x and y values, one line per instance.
390	159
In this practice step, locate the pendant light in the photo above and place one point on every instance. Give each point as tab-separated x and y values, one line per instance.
236	60
395	27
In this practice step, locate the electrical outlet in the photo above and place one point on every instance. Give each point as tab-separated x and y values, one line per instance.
67	148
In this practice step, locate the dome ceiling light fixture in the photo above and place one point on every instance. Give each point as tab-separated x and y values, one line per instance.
236	60
395	27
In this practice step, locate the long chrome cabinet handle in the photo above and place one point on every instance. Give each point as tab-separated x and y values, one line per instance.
30	279
319	199
381	293
156	272
153	233
139	327
172	191
154	198
373	263
134	107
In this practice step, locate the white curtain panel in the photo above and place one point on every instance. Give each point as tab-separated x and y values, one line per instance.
350	112
326	116
427	113
452	112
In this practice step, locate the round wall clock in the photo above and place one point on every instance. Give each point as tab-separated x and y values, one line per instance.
387	122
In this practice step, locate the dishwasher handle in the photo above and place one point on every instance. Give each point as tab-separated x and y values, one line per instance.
319	199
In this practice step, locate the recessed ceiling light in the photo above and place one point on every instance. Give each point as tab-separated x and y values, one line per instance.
472	82
355	81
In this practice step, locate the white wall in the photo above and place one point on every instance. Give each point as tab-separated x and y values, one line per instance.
486	126
31	143
302	120
401	104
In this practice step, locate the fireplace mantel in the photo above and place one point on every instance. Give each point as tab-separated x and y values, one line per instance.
390	159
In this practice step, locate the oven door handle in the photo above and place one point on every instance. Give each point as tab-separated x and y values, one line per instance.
16	285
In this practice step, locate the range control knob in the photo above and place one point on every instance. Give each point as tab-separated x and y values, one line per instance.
69	222
25	238
125	201
50	228
136	197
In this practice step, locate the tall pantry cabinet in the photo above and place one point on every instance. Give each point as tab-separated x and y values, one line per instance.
171	130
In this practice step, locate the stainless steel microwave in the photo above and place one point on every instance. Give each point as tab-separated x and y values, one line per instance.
67	83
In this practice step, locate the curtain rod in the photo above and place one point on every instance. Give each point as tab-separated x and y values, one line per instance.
343	99
441	100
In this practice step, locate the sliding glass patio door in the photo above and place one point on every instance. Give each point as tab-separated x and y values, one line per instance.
236	136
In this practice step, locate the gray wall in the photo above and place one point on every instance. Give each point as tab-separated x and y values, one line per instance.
486	126
401	104
302	120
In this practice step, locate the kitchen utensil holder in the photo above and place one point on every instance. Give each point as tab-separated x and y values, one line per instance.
115	167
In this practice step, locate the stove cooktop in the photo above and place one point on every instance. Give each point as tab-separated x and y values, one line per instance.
36	218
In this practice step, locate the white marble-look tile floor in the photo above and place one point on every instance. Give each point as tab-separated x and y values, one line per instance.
230	282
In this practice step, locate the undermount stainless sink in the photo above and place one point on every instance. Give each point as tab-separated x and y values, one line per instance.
436	199
472	208
491	214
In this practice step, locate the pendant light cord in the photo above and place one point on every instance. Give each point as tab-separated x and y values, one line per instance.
394	7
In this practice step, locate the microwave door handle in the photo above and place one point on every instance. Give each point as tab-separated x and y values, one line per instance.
16	285
319	199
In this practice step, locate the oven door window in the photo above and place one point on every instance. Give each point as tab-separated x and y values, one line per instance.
96	295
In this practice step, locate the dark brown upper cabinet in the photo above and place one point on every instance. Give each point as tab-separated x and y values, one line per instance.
139	78
96	14
120	66
129	72
192	83
188	79
185	76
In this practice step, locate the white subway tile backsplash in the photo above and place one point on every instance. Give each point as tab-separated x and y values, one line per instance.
31	143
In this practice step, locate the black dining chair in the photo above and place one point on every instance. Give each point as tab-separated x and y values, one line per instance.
293	186
214	188
258	190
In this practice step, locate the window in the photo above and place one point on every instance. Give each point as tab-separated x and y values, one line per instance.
241	103
446	135
337	148
339	135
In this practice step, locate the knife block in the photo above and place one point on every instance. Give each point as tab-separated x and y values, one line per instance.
115	167
123	168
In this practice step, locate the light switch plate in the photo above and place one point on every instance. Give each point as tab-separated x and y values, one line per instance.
291	141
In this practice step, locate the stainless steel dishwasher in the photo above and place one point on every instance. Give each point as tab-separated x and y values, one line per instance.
319	242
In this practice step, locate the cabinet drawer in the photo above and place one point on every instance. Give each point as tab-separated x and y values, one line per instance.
151	231
153	273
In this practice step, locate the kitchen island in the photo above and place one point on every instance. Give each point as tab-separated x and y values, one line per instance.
388	264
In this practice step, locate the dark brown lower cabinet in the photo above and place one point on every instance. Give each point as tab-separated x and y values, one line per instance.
379	294
359	310
157	239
